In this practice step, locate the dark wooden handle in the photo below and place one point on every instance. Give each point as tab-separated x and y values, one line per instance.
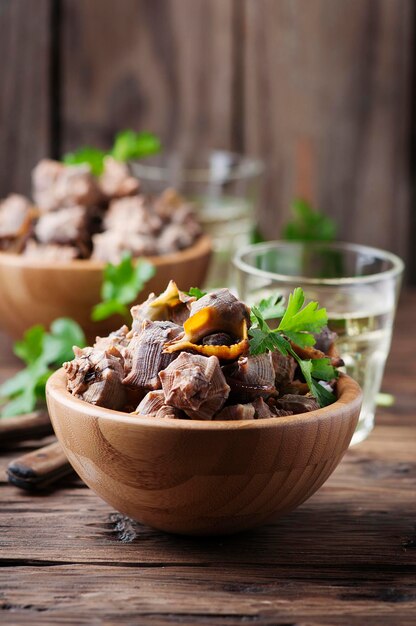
29	426
39	469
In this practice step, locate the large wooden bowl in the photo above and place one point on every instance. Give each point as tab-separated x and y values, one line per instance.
196	477
37	292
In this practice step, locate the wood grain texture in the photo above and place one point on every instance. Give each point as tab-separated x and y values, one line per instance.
327	92
35	425
197	477
320	89
37	293
25	98
163	66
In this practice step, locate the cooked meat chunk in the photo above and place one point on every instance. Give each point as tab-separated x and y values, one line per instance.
151	403
16	217
132	215
66	226
50	252
185	216
96	377
262	409
195	384
284	368
154	404
235	412
146	353
110	245
117	339
172	305
296	403
310	352
324	340
217	339
168	203
251	377
216	312
295	387
174	237
116	180
56	185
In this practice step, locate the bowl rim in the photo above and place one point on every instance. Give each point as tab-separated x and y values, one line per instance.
350	396
201	247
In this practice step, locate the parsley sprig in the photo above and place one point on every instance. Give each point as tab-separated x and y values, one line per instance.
42	352
121	285
297	324
128	146
308	224
196	292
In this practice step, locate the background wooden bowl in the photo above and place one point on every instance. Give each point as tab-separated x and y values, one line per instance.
37	292
196	477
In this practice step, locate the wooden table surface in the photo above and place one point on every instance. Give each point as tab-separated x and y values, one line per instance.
347	556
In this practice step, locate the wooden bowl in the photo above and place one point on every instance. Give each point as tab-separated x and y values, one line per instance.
198	477
37	292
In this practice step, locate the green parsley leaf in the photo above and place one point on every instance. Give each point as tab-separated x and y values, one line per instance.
21	404
43	352
263	338
272	307
296	325
323	370
308	225
130	145
196	293
88	156
122	283
106	309
57	345
30	347
17	383
322	395
22	390
256	236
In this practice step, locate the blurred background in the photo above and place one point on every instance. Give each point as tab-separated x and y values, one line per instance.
321	90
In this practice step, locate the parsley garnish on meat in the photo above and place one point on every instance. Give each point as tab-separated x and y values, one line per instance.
128	146
196	292
121	285
297	324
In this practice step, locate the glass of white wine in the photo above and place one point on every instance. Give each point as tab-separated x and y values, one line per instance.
357	285
224	188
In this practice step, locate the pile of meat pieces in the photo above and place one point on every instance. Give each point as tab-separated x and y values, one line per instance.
75	214
131	371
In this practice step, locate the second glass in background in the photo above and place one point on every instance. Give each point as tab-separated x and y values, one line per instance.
357	285
224	188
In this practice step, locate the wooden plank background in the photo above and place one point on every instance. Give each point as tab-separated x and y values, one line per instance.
322	90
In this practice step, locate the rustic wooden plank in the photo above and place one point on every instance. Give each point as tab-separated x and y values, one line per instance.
163	66
25	97
154	595
327	91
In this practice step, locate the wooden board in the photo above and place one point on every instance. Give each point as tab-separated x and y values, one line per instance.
327	92
321	90
346	556
25	95
162	66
